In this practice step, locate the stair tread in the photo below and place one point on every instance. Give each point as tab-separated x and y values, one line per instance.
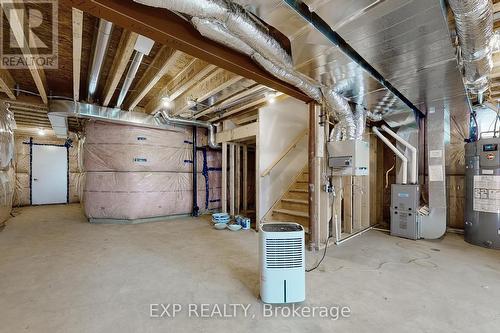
291	212
299	190
305	202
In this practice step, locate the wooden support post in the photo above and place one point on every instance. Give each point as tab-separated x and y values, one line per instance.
347	181
77	17
358	202
376	185
231	179
313	175
245	179
365	206
238	178
257	181
224	178
337	208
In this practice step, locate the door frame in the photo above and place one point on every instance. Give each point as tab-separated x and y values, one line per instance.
32	143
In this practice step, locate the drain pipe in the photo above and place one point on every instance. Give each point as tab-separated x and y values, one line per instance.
196	209
396	151
100	49
132	71
413	167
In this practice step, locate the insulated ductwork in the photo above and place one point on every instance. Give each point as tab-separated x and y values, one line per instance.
244	26
235	19
359	121
217	32
100	48
289	76
132	71
340	105
474	25
373	116
59	110
230	24
214	9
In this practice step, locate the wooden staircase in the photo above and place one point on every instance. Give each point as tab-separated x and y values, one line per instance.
294	205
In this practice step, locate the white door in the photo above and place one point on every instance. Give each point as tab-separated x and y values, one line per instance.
49	172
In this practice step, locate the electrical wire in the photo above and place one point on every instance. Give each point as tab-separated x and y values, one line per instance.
323	257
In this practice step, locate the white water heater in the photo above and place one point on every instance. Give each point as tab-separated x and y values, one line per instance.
282	263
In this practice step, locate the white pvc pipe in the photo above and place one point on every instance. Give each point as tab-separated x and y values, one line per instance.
413	167
396	151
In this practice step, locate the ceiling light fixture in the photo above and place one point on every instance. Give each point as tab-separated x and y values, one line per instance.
271	98
167	102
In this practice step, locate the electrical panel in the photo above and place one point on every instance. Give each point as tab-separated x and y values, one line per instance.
349	157
405	202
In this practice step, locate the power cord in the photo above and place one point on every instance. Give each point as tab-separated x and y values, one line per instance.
323	257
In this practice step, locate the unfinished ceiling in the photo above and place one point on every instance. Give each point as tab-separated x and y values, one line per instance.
407	41
495	73
197	88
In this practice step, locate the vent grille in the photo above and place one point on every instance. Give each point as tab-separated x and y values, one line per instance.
284	253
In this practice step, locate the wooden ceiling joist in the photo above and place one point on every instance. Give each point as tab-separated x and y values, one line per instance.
164	60
77	24
7	83
120	62
169	29
217	81
226	102
175	92
17	26
256	103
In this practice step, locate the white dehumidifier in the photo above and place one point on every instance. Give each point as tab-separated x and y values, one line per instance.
282	263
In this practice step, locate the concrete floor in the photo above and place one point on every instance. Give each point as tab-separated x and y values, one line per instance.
59	273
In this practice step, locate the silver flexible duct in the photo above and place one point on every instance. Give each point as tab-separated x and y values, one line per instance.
230	24
337	132
244	26
218	32
237	21
344	113
474	25
373	116
359	121
214	9
289	76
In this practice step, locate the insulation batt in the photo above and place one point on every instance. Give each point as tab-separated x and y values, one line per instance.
136	195
135	173
6	193
7	172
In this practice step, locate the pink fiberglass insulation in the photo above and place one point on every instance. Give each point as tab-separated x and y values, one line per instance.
7	172
136	195
6	193
136	173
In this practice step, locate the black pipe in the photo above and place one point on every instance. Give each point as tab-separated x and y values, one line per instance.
303	10
196	209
